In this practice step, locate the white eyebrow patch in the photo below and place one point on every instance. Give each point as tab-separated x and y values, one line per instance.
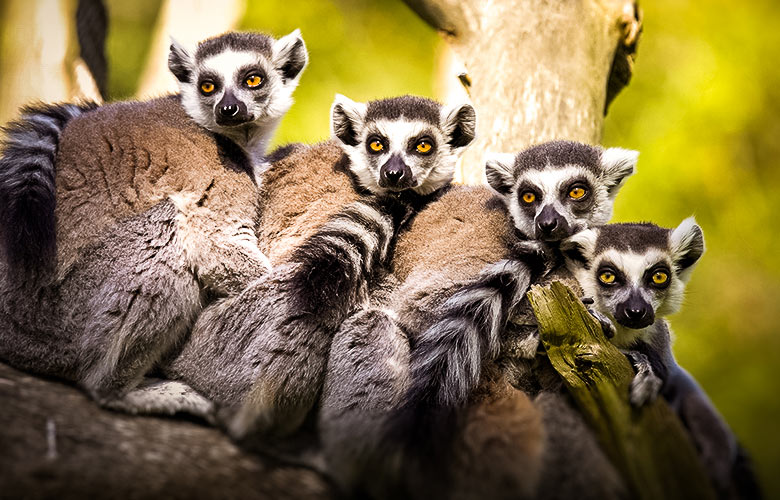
398	132
227	63
634	265
550	180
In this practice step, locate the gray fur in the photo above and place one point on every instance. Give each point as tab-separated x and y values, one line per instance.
107	323
263	352
646	385
369	357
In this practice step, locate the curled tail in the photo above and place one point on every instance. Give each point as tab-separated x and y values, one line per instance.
27	184
446	362
337	263
445	366
327	279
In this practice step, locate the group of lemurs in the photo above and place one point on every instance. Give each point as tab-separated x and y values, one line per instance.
157	256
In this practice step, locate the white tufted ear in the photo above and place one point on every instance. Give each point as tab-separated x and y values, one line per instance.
578	249
619	164
346	119
459	123
180	62
687	242
290	57
500	171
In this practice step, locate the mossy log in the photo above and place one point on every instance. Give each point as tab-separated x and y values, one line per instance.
648	445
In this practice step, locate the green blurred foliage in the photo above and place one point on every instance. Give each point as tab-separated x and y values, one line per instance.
703	109
364	50
127	44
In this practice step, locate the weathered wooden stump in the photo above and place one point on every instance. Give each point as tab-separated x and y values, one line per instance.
648	445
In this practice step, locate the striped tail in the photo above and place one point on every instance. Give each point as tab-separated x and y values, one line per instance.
337	263
446	362
27	185
445	366
327	279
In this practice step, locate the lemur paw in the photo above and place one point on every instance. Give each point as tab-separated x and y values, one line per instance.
645	386
606	324
538	254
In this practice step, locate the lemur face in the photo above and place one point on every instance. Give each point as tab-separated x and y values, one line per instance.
635	273
402	142
238	80
558	188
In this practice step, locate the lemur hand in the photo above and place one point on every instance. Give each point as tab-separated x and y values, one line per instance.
645	386
606	324
541	257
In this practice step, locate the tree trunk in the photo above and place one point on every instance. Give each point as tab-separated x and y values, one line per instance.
40	64
535	70
55	443
648	445
202	20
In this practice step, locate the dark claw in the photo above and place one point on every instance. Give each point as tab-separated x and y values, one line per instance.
606	325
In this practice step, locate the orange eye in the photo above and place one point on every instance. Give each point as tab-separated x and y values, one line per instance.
529	197
376	146
424	147
253	81
207	87
577	193
660	278
607	277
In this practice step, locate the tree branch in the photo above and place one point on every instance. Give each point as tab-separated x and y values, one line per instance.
57	444
648	445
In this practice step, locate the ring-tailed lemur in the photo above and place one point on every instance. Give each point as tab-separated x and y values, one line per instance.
263	352
636	276
121	159
155	214
453	321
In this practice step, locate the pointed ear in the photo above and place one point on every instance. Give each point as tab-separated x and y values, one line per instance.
500	172
346	119
619	164
578	249
290	56
687	242
180	62
459	123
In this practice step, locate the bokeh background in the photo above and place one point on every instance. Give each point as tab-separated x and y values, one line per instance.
703	109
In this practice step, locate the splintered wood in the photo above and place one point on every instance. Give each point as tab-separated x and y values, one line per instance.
648	445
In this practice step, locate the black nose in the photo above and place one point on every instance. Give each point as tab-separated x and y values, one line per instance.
229	111
394	175
547	226
635	312
550	225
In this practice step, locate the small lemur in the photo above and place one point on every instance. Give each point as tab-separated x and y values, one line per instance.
262	353
636	275
452	317
155	213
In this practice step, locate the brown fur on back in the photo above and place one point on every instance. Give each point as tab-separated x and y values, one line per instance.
459	233
125	157
299	193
